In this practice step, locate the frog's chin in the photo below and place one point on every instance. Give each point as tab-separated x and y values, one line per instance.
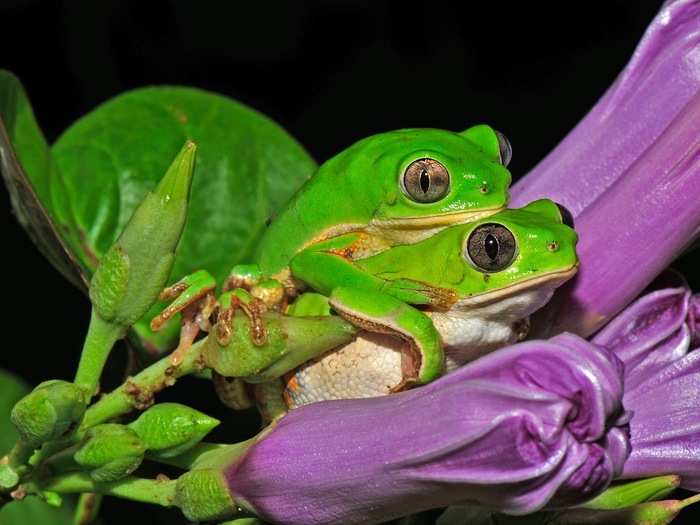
529	294
471	328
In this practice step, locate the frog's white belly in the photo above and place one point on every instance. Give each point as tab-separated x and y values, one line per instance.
367	367
371	364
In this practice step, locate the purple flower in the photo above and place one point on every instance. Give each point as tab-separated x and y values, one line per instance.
630	174
662	383
537	424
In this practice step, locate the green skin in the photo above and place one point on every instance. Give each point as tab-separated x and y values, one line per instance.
376	293
361	189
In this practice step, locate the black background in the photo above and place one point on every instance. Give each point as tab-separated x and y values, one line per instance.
330	72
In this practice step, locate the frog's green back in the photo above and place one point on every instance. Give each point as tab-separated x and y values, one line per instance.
362	185
544	246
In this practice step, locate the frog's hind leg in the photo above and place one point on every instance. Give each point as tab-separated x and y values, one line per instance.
423	360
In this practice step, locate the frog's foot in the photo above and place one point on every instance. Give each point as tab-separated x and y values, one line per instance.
232	391
270	291
193	296
521	328
422	356
252	307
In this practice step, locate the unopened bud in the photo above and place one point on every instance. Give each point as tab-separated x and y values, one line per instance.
169	429
110	452
48	412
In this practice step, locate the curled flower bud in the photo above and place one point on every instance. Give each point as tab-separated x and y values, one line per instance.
48	412
534	425
290	341
110	452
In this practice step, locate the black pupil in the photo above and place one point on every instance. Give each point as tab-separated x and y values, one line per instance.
424	181
491	247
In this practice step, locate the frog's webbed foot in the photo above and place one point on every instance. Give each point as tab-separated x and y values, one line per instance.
193	297
252	307
273	292
422	355
232	391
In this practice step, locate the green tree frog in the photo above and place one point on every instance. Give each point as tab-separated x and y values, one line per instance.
392	188
476	283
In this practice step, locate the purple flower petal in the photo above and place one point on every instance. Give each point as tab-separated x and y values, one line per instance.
662	383
536	424
661	78
633	231
650	334
666	424
630	173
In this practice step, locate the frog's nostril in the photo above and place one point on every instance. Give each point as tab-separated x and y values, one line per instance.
566	216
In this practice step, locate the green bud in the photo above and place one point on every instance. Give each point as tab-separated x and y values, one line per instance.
169	429
137	266
52	499
8	476
633	492
110	452
290	342
203	495
649	513
48	412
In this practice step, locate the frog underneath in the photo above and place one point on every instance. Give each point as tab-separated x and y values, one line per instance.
480	281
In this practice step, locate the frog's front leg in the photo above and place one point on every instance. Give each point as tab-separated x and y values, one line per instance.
330	264
193	296
382	313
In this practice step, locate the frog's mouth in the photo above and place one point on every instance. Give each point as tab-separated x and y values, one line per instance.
410	230
425	222
549	281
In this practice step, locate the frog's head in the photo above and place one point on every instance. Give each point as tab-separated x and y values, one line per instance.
514	260
419	179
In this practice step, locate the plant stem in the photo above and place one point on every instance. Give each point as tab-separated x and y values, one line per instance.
138	391
99	341
87	508
133	488
19	455
135	392
207	455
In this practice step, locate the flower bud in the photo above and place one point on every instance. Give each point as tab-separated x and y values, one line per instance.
650	513
634	492
48	412
169	429
110	452
290	342
203	495
535	425
137	266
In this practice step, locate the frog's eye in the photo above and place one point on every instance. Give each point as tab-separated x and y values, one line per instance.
505	150
491	247
426	180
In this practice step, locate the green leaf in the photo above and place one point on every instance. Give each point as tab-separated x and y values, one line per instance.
74	200
247	168
30	176
34	510
31	509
